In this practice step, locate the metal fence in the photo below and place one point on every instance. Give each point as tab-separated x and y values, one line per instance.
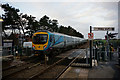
16	50
101	54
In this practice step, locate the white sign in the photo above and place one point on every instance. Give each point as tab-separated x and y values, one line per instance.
7	44
27	44
103	28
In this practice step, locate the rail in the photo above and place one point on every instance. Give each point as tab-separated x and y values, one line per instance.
52	67
66	68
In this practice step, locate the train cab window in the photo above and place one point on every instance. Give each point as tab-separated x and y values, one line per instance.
40	38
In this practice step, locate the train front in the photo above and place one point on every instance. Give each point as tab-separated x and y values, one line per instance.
40	41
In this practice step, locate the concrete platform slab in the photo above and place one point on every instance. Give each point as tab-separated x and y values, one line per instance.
102	70
105	70
75	72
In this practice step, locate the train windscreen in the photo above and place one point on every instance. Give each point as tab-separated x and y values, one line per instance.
40	38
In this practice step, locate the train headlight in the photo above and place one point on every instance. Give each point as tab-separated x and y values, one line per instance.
33	47
44	46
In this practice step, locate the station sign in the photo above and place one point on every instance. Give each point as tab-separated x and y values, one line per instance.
90	36
103	28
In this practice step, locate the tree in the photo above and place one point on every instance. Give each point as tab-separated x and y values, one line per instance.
9	19
32	25
62	29
69	31
54	25
45	23
12	19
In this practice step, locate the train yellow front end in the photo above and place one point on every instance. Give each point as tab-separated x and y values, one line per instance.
40	41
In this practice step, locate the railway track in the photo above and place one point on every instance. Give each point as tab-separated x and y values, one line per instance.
11	70
54	71
17	72
33	71
86	45
27	60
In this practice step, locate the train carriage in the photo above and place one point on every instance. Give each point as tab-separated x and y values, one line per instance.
46	41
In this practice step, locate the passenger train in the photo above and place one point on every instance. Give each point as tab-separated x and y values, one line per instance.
45	41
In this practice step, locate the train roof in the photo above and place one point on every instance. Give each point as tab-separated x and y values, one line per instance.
58	33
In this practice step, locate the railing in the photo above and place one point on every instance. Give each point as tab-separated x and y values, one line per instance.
15	50
100	54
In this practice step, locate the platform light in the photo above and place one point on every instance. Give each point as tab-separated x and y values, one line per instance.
44	46
1	20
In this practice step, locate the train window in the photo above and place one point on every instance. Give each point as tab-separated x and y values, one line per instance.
40	38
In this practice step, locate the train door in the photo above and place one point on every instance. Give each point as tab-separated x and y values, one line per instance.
65	41
52	39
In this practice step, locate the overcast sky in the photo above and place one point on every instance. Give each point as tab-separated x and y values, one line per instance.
79	15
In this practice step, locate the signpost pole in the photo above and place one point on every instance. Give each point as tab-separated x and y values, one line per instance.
119	55
108	46
90	49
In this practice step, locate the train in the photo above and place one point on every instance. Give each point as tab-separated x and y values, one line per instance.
46	41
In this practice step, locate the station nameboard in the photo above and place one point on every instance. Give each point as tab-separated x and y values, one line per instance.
103	28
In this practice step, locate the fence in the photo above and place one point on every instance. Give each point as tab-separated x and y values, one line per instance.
16	50
101	54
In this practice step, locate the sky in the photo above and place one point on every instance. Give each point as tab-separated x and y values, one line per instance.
78	14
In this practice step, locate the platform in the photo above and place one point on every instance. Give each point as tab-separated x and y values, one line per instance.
75	73
102	70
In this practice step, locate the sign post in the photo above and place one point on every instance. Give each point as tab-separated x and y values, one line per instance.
107	45
91	48
119	54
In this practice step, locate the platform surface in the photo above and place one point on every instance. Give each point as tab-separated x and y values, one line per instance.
104	70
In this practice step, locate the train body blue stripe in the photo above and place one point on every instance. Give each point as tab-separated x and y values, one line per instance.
59	40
